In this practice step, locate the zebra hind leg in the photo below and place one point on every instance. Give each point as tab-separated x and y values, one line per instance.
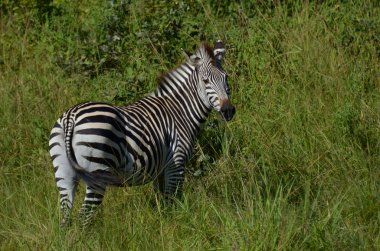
92	201
66	206
65	174
66	185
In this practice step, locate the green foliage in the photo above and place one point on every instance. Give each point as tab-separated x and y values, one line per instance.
297	168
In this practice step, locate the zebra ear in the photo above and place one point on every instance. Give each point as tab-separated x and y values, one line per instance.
193	59
219	51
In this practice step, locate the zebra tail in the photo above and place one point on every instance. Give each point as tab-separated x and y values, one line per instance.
68	127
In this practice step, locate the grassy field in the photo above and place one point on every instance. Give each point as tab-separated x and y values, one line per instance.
298	168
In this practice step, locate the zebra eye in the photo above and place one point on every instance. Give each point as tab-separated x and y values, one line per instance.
228	91
206	80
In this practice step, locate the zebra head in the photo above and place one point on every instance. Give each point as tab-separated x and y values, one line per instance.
212	86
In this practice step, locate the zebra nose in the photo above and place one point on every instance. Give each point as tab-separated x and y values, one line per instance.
227	111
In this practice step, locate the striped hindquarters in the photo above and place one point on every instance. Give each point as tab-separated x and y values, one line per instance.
116	145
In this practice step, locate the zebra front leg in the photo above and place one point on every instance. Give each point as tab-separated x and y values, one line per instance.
92	201
170	183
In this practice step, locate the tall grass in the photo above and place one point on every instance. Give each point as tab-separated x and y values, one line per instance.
297	168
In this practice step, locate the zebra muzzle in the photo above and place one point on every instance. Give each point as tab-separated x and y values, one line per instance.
227	111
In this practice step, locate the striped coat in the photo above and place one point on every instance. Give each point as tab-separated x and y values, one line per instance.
149	140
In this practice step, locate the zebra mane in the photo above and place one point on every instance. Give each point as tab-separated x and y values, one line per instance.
205	51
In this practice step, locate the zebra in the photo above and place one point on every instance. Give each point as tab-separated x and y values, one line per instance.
149	140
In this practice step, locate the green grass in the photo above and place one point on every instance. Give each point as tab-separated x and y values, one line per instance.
297	168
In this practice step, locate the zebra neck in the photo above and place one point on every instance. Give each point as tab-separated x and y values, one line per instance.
180	87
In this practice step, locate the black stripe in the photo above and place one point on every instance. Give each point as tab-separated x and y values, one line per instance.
54	135
57	125
91	202
102	132
105	108
53	157
103	147
86	105
94	196
54	144
102	119
104	161
58	179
